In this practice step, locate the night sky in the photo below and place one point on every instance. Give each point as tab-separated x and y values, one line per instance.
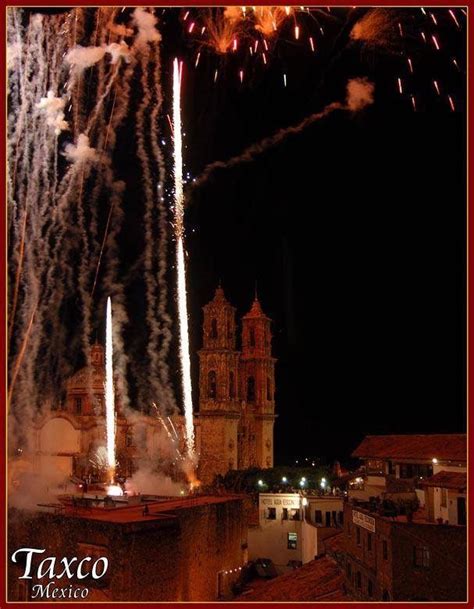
354	230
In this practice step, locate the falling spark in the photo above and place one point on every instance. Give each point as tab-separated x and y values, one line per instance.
435	42
264	58
451	103
423	35
234	44
215	75
413	102
181	269
110	394
436	86
284	79
456	64
241	75
423	10
311	42
400	29
197	59
433	18
410	65
400	87
186	16
451	12
191	27
297	32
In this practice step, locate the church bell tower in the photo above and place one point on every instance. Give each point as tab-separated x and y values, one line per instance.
257	378
219	408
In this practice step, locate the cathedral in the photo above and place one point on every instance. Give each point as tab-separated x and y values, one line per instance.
234	426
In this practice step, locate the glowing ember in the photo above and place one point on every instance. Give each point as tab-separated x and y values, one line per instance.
109	394
181	270
114	491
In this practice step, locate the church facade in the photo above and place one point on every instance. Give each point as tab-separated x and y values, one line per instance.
234	425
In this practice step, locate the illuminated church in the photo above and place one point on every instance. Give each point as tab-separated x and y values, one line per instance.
236	415
233	426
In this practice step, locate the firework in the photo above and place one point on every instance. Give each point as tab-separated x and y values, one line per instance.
180	263
110	395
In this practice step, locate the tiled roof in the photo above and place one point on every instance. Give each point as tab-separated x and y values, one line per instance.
451	447
444	479
318	579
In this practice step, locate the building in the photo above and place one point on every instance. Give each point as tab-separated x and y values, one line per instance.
283	534
400	559
69	438
234	428
402	462
182	549
404	535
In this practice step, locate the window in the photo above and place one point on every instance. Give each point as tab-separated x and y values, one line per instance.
421	556
384	550
444	497
318	517
214	328
250	389
369	542
269	390
231	385
358	580
334	519
328	519
349	570
285	514
292	541
271	513
252	337
370	588
406	470
294	514
341	518
358	535
212	385
78	404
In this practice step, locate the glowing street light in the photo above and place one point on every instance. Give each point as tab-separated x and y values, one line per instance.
260	483
284	479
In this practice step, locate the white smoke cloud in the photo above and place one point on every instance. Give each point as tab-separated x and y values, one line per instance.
145	22
53	108
120	29
145	481
117	51
84	57
360	93
13	54
81	152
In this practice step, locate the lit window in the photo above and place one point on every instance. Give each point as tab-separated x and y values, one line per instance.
292	541
269	389
214	328
271	513
252	337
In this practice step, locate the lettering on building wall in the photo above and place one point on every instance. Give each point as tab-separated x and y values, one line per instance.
362	520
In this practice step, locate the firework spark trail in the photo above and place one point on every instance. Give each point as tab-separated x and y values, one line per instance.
47	216
156	384
180	264
110	394
359	94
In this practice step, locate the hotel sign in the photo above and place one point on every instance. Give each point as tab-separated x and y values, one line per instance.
367	522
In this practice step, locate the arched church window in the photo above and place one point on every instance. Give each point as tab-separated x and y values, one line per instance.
252	337
250	389
231	385
212	385
214	328
269	389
